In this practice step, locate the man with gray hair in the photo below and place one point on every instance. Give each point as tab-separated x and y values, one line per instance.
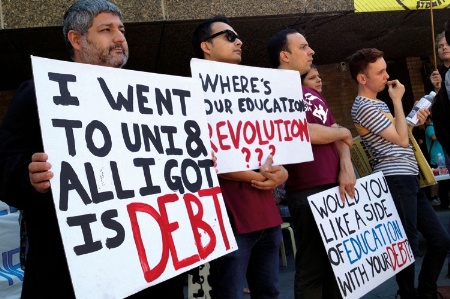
93	43
94	34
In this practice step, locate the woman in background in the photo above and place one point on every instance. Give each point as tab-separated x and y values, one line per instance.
312	79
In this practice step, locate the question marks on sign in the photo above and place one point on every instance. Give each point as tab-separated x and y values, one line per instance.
247	154
272	149
260	154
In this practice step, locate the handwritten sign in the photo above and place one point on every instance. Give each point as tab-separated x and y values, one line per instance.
11	275
252	113
136	195
364	237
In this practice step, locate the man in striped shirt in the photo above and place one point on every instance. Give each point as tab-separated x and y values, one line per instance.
388	141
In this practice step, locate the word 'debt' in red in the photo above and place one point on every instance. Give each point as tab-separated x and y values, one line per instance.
198	225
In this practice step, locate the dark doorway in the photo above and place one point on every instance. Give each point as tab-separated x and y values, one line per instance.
398	69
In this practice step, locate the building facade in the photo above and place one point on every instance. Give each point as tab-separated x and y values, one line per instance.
159	34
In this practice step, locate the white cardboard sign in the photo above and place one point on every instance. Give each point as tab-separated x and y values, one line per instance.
136	195
252	113
364	237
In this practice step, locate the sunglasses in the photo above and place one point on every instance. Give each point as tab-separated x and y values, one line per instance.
231	36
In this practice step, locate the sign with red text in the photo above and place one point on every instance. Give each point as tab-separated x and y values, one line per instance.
253	113
363	237
134	187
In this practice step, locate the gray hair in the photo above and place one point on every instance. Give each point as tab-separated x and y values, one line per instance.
439	37
80	16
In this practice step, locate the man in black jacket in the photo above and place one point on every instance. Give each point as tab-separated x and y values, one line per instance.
94	33
441	82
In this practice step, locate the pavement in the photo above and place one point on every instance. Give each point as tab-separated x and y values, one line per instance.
388	289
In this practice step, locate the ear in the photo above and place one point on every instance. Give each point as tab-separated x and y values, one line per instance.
74	39
361	78
284	57
206	47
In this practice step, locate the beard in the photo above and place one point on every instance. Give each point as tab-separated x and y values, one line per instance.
92	53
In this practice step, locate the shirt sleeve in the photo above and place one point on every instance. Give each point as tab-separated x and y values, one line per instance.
371	117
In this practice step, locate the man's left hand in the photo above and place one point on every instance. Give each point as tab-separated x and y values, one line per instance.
276	175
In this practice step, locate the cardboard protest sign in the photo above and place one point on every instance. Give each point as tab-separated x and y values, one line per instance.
252	113
11	275
136	195
363	160
198	284
364	237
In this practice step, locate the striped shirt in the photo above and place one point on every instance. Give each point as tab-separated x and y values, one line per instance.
390	158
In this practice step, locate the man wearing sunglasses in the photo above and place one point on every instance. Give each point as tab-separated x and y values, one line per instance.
251	208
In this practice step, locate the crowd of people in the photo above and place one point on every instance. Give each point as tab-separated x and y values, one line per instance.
388	141
95	34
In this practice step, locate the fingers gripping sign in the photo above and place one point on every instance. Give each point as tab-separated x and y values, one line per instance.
40	173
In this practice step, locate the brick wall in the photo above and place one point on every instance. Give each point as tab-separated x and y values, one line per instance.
340	90
415	66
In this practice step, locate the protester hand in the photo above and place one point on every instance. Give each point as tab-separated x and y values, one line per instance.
276	175
214	160
346	180
348	138
396	90
39	172
422	115
436	80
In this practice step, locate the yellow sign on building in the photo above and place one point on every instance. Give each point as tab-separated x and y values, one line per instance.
385	5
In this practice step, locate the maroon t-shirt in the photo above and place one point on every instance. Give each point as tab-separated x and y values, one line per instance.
249	209
324	169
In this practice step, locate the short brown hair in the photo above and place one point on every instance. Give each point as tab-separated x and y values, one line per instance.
360	60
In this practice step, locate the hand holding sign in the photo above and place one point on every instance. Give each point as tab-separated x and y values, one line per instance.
40	174
275	175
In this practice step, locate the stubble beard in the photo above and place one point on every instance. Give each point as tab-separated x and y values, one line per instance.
92	53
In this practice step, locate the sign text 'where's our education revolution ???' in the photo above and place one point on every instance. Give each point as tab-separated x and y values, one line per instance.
251	114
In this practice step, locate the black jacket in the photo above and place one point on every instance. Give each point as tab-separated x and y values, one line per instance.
441	114
46	271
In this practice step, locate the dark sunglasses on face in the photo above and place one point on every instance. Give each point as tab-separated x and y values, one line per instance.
231	36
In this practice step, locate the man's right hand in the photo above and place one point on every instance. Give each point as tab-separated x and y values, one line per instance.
396	90
436	80
39	172
348	138
275	175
